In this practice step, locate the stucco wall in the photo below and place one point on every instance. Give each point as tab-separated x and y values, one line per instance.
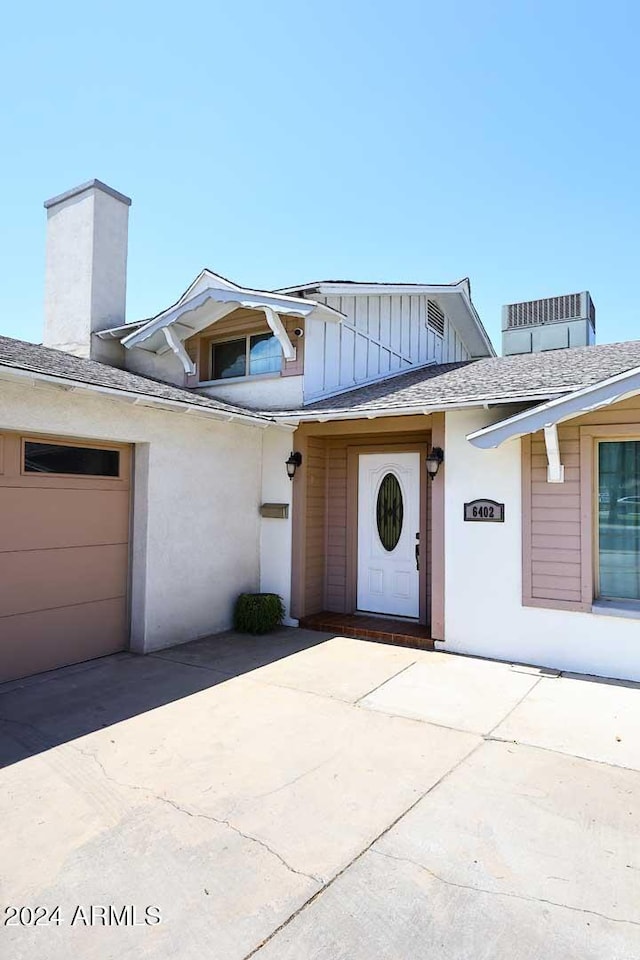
164	367
259	393
275	535
484	614
196	525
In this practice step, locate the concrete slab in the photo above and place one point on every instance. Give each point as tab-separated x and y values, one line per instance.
225	793
65	704
254	792
310	776
93	843
341	667
596	719
459	692
233	653
391	910
518	853
530	823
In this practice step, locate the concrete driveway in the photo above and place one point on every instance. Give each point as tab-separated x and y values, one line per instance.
308	797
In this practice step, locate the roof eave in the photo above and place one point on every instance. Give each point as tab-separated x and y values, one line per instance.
9	371
581	401
294	306
374	413
460	287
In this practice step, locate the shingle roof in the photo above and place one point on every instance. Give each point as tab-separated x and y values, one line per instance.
491	379
55	363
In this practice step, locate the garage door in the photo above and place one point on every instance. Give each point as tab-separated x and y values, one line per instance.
64	552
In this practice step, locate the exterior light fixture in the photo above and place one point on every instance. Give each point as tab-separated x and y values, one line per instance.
293	463
434	459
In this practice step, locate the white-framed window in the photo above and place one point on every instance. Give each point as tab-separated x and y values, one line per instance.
435	317
618	519
248	356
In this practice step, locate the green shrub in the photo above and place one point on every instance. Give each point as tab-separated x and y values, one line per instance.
258	612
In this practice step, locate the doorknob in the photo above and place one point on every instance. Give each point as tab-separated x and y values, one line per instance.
417	551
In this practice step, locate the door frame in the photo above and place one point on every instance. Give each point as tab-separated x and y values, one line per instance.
353	454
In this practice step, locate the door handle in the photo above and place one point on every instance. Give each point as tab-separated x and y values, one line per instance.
417	551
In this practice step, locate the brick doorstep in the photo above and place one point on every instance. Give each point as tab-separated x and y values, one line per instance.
370	628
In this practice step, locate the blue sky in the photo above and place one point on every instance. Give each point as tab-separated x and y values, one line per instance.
283	142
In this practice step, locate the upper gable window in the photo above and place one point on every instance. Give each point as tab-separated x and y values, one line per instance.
246	356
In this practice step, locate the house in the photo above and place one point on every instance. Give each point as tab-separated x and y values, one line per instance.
350	446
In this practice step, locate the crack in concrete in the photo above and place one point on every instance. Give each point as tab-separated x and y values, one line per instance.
514	708
301	776
527	745
247	836
358	856
500	893
384	682
196	815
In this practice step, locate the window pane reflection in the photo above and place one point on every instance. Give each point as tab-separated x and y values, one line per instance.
619	518
265	354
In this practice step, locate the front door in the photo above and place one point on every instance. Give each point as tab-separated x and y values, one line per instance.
388	532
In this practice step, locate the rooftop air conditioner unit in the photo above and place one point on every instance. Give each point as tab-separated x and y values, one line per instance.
551	324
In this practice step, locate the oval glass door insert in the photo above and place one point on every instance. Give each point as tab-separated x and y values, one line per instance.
389	512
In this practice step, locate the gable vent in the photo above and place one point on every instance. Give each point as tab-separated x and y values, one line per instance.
435	317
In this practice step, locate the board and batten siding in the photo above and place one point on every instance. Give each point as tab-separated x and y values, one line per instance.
382	335
559	518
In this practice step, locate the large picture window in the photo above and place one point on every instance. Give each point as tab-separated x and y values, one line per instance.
619	519
248	356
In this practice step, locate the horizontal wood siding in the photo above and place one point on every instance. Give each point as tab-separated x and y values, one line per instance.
554	515
558	566
336	589
292	368
426	550
315	468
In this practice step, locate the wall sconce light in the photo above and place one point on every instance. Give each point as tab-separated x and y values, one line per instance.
434	459
293	463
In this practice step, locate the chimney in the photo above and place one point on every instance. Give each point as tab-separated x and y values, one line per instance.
537	325
86	268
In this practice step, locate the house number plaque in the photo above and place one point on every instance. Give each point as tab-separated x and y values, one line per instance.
484	511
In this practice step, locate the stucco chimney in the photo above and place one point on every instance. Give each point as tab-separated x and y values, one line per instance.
86	267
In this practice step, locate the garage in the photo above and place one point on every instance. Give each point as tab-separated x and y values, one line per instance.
64	551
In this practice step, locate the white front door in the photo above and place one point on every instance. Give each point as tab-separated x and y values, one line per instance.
388	528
